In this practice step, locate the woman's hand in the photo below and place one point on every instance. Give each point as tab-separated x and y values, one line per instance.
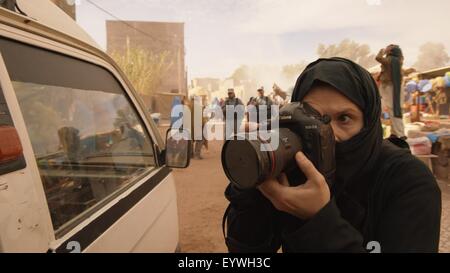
303	201
388	49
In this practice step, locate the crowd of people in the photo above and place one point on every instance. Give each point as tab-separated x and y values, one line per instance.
260	103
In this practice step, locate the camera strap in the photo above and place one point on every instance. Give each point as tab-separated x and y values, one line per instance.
224	220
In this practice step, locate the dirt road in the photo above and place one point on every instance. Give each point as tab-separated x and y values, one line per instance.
201	202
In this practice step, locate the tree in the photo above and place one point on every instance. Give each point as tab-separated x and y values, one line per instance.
432	55
359	53
241	74
144	69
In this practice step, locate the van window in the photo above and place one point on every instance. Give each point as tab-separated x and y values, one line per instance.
89	142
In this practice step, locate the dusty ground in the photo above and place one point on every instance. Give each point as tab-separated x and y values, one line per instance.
201	204
445	220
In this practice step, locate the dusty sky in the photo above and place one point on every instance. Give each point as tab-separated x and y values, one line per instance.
222	34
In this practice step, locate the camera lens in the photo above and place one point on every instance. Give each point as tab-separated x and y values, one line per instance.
243	162
247	164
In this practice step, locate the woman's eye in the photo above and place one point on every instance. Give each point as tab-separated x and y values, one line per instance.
344	119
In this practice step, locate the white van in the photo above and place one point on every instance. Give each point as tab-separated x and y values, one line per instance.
82	165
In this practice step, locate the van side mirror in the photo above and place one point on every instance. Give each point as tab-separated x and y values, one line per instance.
11	151
178	148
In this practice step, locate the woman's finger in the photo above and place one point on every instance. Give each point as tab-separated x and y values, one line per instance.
277	193
270	187
310	171
283	180
307	167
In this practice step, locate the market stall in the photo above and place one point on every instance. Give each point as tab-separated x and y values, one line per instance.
426	118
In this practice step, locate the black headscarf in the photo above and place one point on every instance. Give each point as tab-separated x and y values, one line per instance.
356	157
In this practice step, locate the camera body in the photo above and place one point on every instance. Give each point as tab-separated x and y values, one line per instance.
317	138
301	128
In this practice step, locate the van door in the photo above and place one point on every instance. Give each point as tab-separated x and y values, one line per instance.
97	164
25	224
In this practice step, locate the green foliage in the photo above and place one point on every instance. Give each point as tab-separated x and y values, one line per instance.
432	55
143	68
359	53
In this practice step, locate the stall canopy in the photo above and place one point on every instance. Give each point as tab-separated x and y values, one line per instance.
431	74
377	69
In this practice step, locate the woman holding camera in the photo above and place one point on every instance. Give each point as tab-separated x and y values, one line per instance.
381	193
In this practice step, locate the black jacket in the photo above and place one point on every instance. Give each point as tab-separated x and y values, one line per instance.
400	208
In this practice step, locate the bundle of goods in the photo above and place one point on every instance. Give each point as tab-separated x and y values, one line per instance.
438	135
420	145
425	86
421	136
411	87
447	79
431	126
442	150
438	82
414	130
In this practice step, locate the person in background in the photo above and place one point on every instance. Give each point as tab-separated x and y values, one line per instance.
188	124
263	103
251	102
279	97
205	118
197	143
251	115
177	101
232	100
215	103
390	79
251	108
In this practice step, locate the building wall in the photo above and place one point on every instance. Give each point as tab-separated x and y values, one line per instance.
66	7
156	37
209	84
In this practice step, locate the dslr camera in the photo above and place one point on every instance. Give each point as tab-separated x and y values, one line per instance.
301	128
